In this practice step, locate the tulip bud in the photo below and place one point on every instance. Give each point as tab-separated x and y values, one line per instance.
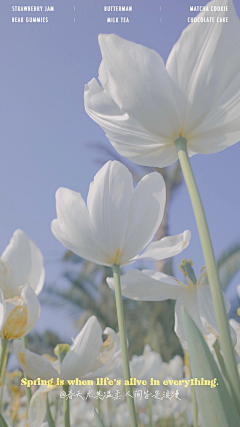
61	350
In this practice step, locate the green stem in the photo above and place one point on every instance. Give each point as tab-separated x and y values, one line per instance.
216	291
3	360
66	408
151	424
48	413
123	341
3	354
27	389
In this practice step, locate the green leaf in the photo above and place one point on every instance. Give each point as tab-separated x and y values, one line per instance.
214	404
99	422
2	422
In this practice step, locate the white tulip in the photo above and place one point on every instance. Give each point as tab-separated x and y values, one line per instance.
18	315
87	355
148	285
21	264
144	106
118	222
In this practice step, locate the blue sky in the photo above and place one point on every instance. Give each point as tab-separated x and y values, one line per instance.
46	133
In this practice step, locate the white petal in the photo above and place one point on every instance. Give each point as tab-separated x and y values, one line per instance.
167	247
148	285
33	308
84	352
108	205
37	407
73	226
25	260
32	364
136	79
145	215
187	299
110	353
7	280
205	64
126	134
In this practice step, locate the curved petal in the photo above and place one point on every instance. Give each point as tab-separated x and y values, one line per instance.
25	260
187	299
148	285
205	64
7	280
151	97
110	353
166	247
33	308
145	215
126	134
108	204
37	407
84	352
73	227
32	364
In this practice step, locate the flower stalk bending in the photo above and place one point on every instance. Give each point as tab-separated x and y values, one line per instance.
219	306
123	341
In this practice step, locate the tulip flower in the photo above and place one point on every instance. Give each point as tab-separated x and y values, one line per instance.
115	226
144	106
154	114
87	354
195	296
18	315
21	264
118	222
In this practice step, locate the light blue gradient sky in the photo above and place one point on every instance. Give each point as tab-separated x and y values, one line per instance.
45	131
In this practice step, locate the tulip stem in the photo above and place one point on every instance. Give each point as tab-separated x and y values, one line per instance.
3	362
49	417
3	357
27	389
66	407
124	349
216	290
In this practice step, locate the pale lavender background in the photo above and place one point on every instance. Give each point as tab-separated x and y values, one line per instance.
45	131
